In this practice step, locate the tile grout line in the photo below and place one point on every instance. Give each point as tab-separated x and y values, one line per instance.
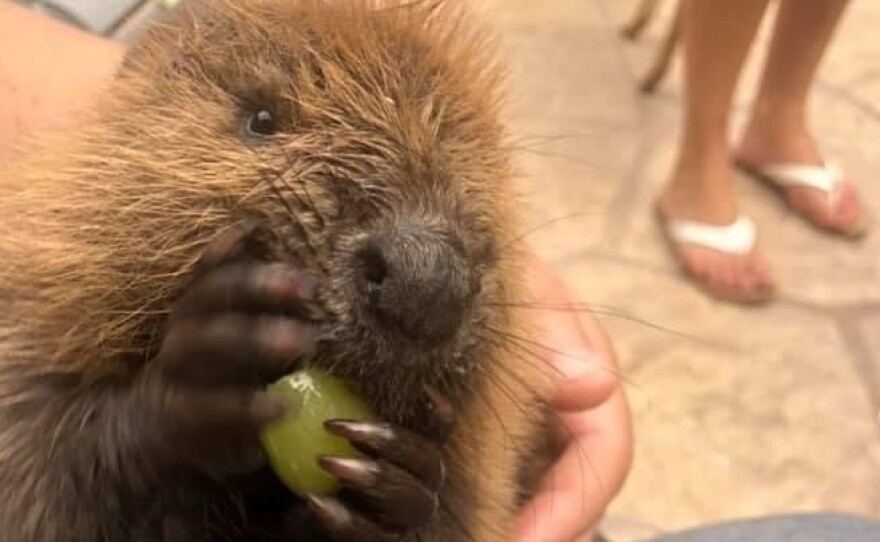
861	358
604	311
844	95
609	256
619	221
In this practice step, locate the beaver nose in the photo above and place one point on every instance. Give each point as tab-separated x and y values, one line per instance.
416	281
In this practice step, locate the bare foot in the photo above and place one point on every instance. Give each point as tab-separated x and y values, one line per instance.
784	142
734	276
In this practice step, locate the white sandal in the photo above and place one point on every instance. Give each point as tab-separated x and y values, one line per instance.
738	238
827	178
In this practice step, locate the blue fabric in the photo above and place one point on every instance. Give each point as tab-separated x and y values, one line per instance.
797	528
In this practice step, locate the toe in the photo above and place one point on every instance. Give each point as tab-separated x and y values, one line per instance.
697	262
848	212
760	269
730	275
841	213
743	278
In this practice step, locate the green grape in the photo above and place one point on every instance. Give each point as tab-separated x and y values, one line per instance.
294	443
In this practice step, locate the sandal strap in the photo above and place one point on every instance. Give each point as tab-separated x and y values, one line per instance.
825	178
736	238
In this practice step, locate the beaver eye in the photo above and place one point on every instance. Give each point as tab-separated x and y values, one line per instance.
261	124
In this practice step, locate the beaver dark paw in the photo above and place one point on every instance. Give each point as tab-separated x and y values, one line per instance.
394	491
229	335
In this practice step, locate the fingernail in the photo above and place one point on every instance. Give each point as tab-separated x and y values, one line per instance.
574	361
359	472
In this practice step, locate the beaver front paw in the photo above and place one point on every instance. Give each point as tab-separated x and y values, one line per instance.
395	490
201	397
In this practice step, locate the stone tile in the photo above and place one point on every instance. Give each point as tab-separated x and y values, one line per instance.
865	93
574	138
866	354
618	13
567	182
853	54
566	71
558	11
753	412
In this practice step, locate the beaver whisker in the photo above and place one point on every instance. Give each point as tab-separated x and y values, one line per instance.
548	154
316	210
521	343
313	209
609	311
271	180
570	136
547	223
531	391
310	205
551	413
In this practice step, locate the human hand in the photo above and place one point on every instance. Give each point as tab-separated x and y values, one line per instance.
594	437
50	70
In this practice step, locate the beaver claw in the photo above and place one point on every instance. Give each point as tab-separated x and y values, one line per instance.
394	490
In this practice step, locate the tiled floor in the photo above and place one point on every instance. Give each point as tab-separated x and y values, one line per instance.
740	412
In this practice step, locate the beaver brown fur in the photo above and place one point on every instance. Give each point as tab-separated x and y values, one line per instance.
267	182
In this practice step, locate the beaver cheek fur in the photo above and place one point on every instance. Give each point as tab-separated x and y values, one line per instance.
100	230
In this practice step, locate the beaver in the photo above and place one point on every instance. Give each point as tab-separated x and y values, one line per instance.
267	183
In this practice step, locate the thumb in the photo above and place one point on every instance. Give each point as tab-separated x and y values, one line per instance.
585	391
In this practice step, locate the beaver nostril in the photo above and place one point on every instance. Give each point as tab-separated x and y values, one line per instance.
375	271
415	281
375	265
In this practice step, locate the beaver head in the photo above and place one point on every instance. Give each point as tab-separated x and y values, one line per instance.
364	138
